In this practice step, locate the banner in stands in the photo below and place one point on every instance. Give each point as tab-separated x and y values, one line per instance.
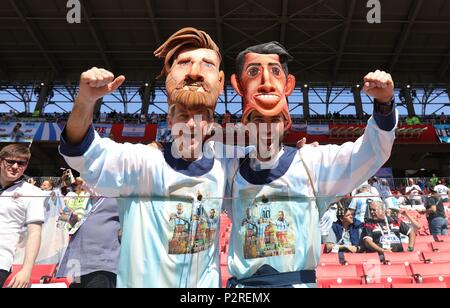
48	132
299	127
443	133
133	130
104	130
317	130
18	131
164	134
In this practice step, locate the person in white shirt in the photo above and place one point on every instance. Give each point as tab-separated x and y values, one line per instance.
16	211
414	193
442	190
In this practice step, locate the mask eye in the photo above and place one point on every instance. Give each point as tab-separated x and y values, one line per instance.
276	71
253	71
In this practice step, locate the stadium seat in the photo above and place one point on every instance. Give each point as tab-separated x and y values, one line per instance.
424	239
437	285
443	238
329	259
420	247
387	274
405	258
437	257
337	274
362	258
427	273
441	246
361	286
39	275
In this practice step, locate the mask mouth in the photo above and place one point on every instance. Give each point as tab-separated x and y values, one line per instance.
268	101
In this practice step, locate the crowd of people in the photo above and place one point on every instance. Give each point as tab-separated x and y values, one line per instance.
375	219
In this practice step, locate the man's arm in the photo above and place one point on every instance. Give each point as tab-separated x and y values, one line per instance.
94	84
109	168
368	241
339	169
22	279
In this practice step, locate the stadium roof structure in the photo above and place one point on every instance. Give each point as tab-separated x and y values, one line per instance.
332	41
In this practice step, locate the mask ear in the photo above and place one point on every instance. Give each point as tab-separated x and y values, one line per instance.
222	81
290	85
236	85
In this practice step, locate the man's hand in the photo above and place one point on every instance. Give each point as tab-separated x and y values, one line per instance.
21	280
97	83
302	142
380	86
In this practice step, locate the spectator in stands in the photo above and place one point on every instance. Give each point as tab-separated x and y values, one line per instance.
384	189
92	256
345	233
434	180
394	211
435	211
226	117
16	212
442	190
443	118
382	233
413	120
153	118
78	199
47	185
359	202
413	192
327	221
374	185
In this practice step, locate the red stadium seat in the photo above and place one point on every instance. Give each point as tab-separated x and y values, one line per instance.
441	246
39	275
362	258
405	258
387	274
426	273
437	285
420	247
329	259
444	238
424	239
437	257
337	274
361	286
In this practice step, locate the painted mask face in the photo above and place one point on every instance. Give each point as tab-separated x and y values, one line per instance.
264	86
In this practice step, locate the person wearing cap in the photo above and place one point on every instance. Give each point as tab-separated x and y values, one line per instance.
292	179
359	201
345	233
150	183
382	233
442	190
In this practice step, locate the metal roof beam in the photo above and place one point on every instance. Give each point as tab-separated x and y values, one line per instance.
36	35
348	23
284	21
97	37
155	28
413	13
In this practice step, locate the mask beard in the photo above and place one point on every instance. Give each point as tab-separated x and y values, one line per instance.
192	98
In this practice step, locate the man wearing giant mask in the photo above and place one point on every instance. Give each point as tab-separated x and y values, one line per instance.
300	183
152	184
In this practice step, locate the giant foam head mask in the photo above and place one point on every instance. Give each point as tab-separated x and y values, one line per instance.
263	81
192	69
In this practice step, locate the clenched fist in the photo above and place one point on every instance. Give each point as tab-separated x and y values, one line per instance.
97	83
379	85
